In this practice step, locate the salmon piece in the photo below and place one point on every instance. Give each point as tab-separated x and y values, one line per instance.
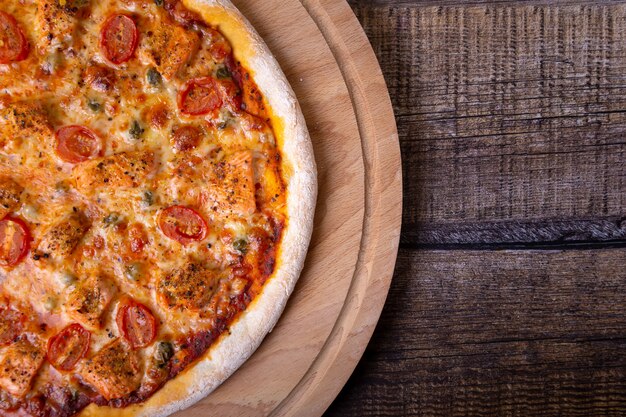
10	196
11	324
56	23
189	288
169	47
230	187
62	237
123	170
114	371
88	301
22	121
20	364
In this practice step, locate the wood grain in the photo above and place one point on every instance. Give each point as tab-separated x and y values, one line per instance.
497	333
382	220
509	292
511	119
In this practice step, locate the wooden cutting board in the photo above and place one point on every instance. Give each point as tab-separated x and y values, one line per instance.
303	364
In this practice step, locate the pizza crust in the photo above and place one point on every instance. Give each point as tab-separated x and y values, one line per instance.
300	174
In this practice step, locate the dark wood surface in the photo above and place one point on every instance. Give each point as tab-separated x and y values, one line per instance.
509	296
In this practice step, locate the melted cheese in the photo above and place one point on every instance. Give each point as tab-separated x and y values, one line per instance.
69	82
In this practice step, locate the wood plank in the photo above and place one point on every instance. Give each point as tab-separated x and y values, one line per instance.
511	119
497	333
422	3
548	233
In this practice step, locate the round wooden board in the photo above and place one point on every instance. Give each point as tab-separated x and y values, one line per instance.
303	364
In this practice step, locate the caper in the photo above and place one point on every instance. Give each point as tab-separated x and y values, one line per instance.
135	130
148	198
67	278
163	353
241	246
112	218
223	72
158	2
75	394
94	106
154	77
132	272
225	120
51	63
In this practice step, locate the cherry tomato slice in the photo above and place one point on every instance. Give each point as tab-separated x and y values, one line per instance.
200	96
13	44
14	241
182	224
136	324
77	144
185	138
119	38
68	347
11	325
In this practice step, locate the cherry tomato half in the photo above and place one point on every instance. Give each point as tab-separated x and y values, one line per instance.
200	96
11	325
77	144
136	324
13	44
119	38
68	347
14	241
182	224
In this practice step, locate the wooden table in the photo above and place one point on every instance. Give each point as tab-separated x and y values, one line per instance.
509	297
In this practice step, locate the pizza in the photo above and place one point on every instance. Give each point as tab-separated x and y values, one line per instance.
157	192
